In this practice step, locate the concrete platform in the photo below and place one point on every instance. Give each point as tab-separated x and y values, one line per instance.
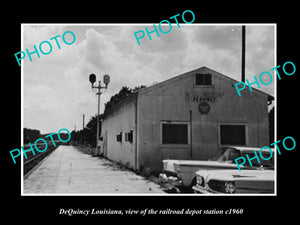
69	171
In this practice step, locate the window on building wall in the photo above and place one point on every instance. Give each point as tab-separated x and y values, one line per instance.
233	134
129	136
175	133
119	137
203	79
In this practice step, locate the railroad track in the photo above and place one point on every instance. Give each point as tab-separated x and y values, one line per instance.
33	160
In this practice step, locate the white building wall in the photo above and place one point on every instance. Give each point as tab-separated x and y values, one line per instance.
120	120
172	101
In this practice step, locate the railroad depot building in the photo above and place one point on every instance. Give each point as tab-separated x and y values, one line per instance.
189	116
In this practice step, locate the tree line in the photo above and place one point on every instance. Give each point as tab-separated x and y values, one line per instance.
31	135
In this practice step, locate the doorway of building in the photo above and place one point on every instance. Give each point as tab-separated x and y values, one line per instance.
105	144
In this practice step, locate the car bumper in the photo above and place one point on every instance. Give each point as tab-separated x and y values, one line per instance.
199	189
203	190
170	182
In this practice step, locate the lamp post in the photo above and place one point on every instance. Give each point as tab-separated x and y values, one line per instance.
106	80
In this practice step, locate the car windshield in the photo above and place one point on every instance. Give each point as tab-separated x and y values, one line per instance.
263	163
230	154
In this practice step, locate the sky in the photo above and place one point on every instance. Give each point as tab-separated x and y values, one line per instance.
56	88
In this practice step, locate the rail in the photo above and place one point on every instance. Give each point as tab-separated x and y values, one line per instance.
33	160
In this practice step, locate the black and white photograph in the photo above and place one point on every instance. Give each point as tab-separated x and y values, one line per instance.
170	117
171	112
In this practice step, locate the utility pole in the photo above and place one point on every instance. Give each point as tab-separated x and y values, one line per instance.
243	52
106	80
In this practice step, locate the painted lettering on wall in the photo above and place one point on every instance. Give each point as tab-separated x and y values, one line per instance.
205	98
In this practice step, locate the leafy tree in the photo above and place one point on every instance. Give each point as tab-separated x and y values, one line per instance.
30	135
123	93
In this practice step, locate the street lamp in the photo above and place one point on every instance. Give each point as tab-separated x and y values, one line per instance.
106	80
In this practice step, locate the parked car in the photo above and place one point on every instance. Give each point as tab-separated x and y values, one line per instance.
179	175
233	181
